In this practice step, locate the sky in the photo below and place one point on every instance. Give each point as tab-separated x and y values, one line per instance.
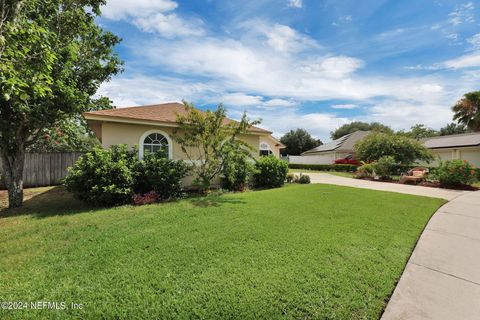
308	64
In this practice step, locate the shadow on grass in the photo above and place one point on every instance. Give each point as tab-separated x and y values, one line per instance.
214	201
53	202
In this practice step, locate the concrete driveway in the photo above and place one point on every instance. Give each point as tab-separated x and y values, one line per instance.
442	277
384	186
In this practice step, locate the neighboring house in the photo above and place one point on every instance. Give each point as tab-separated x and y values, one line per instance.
152	128
329	152
459	146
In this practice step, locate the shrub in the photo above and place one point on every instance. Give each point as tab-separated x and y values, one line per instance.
164	176
103	176
304	179
367	170
325	167
403	149
270	172
237	170
455	173
384	166
290	177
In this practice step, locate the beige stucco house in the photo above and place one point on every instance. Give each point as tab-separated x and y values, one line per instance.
459	146
151	128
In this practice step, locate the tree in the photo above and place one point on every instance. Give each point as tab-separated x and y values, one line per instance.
69	135
207	139
404	150
359	125
453	128
419	131
53	59
298	141
467	111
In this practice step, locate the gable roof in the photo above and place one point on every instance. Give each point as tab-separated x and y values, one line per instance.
345	143
164	113
452	141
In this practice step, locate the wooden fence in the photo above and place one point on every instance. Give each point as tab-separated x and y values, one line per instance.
45	169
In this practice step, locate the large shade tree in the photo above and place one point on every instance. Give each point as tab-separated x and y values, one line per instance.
298	141
53	59
467	111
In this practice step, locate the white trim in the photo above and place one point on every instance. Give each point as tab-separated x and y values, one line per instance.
149	132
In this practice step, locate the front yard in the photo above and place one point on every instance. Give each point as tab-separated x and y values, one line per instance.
302	251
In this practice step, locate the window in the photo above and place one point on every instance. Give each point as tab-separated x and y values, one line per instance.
155	142
265	149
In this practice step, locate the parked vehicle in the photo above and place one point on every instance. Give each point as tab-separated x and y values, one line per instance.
350	159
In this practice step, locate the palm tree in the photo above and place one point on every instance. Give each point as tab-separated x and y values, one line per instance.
467	110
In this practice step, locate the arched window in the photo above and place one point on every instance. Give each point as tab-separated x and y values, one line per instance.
155	142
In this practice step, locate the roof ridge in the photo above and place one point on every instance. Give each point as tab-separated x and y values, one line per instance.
453	135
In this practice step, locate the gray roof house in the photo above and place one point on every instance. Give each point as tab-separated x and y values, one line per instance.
342	145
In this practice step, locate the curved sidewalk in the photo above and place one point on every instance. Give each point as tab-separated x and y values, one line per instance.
442	277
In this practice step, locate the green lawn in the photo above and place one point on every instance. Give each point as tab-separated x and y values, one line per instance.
336	173
299	252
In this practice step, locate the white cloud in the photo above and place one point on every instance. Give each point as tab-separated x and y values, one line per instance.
474	41
465	61
462	14
282	38
153	16
333	67
344	106
295	3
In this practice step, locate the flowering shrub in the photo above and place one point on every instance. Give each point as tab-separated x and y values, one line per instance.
455	173
149	197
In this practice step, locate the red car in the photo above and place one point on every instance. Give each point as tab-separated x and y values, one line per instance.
347	160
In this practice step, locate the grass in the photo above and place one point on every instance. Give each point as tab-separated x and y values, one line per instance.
335	173
302	251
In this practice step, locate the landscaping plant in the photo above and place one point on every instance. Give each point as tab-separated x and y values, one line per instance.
270	172
206	138
237	169
164	176
303	179
404	150
384	166
455	173
103	176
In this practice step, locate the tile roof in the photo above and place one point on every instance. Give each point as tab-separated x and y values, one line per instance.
344	143
166	113
456	140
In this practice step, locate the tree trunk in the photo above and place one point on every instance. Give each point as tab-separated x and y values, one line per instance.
13	166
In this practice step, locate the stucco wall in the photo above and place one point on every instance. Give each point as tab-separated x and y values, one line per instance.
130	134
319	158
472	155
271	144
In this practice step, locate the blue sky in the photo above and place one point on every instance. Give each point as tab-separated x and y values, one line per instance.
299	63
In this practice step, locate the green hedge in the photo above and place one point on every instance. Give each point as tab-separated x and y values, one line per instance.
325	167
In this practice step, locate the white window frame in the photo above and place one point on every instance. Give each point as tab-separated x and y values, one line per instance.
149	132
268	148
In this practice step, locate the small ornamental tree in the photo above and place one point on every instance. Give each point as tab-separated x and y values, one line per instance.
207	139
404	150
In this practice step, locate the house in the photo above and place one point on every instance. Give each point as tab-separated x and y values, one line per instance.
459	146
329	152
152	127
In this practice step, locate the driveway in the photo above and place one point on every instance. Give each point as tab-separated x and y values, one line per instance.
384	186
442	277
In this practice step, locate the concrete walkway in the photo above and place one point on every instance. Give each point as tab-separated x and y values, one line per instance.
442	277
384	186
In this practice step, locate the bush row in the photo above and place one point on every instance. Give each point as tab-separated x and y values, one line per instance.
107	177
325	167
